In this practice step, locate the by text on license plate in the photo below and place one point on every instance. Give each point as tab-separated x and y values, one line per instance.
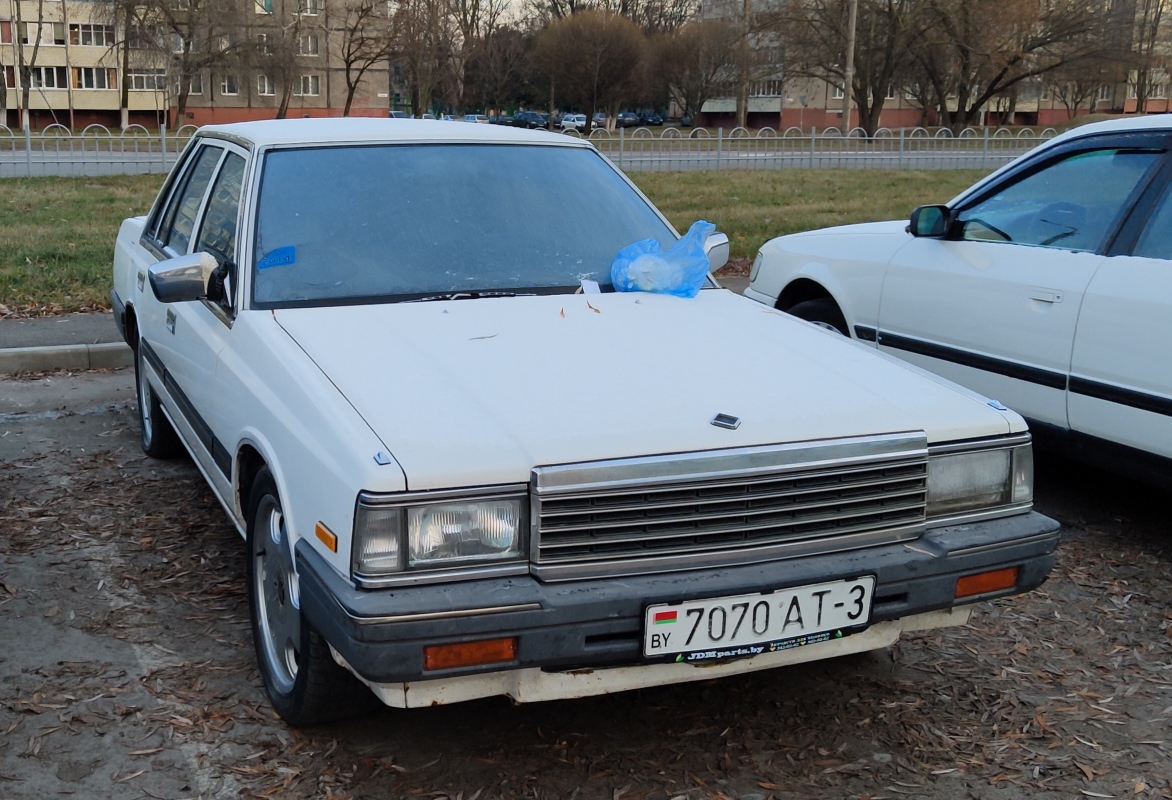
750	624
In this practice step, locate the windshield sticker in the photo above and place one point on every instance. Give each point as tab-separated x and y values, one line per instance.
281	257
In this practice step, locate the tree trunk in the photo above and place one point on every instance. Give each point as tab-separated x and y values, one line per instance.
124	93
350	90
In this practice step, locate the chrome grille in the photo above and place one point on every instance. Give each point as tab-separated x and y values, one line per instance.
821	496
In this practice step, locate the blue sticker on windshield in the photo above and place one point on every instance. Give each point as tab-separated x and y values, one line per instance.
281	257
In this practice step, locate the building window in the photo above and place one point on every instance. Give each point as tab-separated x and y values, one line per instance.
306	86
1104	94
195	86
1158	91
836	93
229	85
1132	94
10	77
49	78
5	31
148	80
311	8
264	44
890	93
1045	93
94	78
263	6
96	35
264	86
51	33
307	45
769	88
140	39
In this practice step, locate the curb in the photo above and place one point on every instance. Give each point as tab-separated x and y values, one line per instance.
70	356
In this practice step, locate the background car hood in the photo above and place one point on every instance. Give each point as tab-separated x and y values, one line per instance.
887	226
477	392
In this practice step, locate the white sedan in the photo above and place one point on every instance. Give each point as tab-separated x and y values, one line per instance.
465	466
1047	285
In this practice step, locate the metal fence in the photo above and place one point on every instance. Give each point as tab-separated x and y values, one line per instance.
95	151
99	151
916	148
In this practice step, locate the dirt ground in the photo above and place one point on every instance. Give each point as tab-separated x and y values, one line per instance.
127	669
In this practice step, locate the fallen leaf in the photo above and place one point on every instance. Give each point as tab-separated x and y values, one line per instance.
1090	773
592	308
563	313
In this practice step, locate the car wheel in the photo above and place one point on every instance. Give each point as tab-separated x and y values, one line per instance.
157	437
304	683
824	313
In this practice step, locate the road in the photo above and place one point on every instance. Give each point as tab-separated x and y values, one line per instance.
637	156
128	671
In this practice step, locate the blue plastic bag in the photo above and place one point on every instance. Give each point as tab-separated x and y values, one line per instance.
680	270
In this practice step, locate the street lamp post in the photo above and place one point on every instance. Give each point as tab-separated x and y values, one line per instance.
848	77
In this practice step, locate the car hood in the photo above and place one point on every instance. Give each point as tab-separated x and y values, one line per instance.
871	228
477	392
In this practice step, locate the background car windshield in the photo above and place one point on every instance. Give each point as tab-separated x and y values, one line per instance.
348	223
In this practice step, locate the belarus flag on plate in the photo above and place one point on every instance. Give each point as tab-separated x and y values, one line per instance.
664	617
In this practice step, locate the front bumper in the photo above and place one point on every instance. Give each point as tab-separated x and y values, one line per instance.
591	624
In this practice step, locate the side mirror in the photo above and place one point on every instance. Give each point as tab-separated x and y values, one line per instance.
931	222
178	280
716	246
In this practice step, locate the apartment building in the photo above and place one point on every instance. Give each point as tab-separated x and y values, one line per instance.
77	72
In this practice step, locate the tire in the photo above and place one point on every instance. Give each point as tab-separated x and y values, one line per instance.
157	436
304	683
824	313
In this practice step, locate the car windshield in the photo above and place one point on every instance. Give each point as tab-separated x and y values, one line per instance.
353	224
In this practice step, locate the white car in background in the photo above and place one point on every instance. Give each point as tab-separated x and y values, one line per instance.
458	477
573	122
1047	285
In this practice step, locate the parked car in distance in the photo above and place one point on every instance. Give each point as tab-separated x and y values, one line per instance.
477	118
573	122
626	119
650	118
447	118
421	524
399	114
599	119
1047	285
428	116
530	119
686	121
500	119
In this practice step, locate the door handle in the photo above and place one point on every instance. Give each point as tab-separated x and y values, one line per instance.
1046	295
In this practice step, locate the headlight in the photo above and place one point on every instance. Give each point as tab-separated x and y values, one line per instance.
394	537
982	479
756	266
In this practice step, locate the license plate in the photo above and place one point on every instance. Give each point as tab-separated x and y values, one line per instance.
750	624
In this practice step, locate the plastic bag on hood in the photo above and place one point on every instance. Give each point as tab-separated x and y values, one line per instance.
679	270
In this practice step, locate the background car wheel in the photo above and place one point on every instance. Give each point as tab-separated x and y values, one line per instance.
823	312
158	438
304	683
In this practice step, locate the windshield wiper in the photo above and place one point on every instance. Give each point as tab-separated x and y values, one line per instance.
476	295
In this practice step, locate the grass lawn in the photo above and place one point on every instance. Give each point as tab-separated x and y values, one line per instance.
57	234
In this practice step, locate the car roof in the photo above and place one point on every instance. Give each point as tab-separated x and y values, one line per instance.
370	129
1146	122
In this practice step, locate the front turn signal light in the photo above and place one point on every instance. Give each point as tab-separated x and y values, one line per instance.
986	582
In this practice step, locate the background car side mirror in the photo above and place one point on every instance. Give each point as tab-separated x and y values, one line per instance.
178	280
716	246
930	222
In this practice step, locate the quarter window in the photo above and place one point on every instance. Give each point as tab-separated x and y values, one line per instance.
217	233
1069	205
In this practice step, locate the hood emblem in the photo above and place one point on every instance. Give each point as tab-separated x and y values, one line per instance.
726	421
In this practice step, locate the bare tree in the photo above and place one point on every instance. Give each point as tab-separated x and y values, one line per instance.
1148	53
814	35
422	43
26	66
971	51
593	59
189	36
1077	85
496	72
365	40
698	61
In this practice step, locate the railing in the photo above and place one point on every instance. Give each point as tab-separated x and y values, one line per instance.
99	151
672	149
95	151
